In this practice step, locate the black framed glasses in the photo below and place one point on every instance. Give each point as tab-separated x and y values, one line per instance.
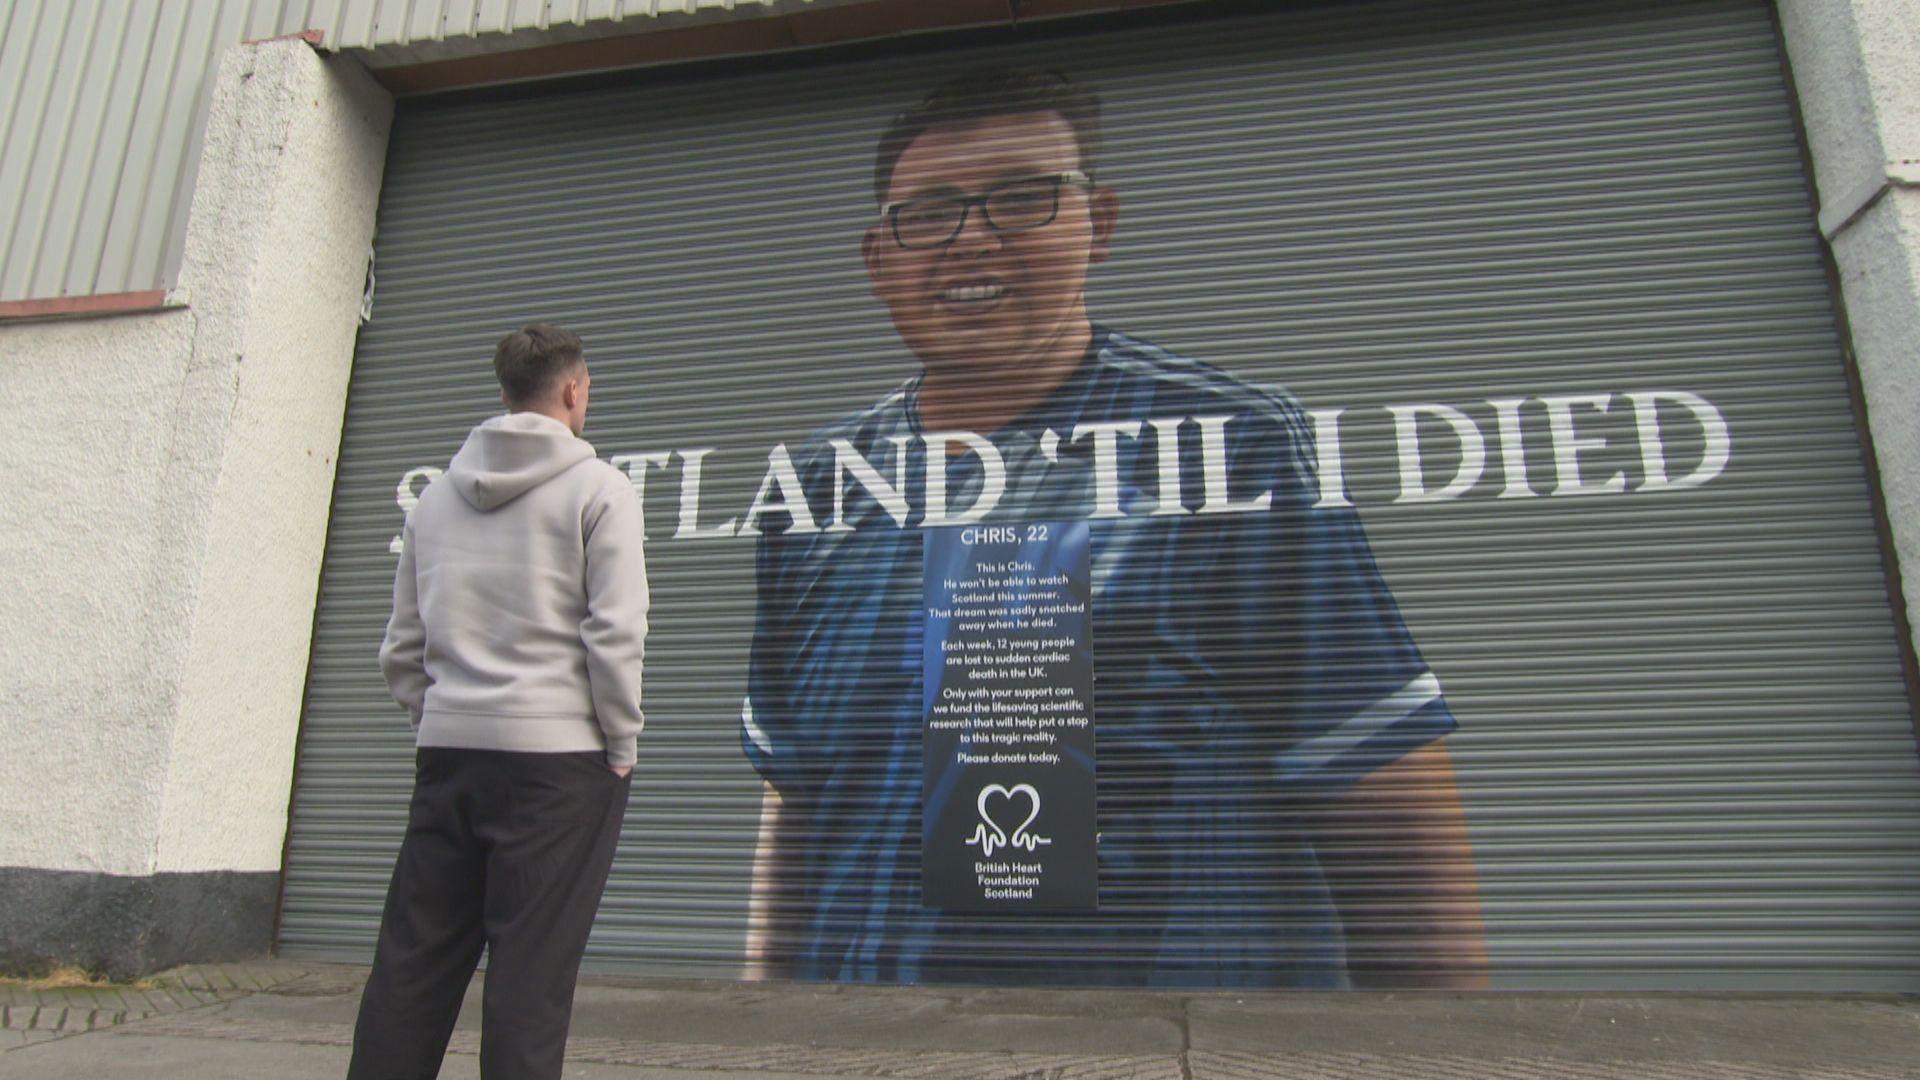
1011	207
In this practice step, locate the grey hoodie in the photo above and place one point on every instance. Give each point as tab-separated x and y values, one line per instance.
520	605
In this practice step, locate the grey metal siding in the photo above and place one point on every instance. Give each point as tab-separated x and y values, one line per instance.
1686	746
104	102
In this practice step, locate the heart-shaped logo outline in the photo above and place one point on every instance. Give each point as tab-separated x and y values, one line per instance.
999	838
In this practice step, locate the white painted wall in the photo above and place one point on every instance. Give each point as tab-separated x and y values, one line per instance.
1856	67
89	651
278	243
167	481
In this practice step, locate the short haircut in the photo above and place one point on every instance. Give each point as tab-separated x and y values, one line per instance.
986	94
529	361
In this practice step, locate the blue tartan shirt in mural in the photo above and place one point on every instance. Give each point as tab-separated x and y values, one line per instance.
1243	662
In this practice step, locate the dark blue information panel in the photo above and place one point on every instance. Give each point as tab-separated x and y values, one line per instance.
1008	815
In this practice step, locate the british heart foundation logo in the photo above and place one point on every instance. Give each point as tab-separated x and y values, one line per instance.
1000	805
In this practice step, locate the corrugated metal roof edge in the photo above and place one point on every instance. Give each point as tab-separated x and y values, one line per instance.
822	23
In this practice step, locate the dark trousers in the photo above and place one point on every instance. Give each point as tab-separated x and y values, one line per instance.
505	851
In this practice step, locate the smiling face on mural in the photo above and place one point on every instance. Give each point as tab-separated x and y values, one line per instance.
1005	294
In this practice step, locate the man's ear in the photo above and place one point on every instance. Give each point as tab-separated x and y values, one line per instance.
1103	210
570	394
872	246
504	400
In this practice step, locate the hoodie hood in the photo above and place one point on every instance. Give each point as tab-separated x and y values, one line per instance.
510	455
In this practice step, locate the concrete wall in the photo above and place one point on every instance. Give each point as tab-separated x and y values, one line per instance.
1856	66
89	656
167	483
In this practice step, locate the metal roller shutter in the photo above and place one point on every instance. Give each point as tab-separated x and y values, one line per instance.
1685	747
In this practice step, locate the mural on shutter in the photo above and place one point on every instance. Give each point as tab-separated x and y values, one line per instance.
1379	506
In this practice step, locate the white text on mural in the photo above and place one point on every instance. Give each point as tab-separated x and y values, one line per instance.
1441	454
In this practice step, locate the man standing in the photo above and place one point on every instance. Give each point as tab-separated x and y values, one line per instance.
518	628
1276	806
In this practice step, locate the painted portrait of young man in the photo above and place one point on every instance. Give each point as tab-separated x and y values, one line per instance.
1276	803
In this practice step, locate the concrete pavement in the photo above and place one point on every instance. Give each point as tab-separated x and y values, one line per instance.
293	1021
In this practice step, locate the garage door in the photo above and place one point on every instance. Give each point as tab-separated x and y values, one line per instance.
1488	353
